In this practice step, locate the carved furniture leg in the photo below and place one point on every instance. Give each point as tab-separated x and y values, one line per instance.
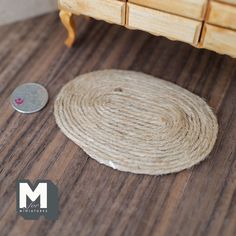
68	22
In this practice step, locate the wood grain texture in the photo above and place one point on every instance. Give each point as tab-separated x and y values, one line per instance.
228	1
162	23
112	11
94	199
222	15
189	8
219	39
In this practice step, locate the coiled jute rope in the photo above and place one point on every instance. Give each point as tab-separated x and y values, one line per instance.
135	122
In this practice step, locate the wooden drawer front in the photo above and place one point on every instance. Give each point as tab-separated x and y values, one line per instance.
161	23
190	8
219	39
109	10
222	14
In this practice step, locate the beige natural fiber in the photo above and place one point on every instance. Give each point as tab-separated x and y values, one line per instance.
134	122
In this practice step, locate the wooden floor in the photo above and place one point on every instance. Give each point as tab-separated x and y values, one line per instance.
94	199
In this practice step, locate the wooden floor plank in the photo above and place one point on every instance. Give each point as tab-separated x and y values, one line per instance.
94	199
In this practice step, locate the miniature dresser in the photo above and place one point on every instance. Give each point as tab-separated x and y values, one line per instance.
201	23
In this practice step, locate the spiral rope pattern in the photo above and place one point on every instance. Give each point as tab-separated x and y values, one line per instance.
134	122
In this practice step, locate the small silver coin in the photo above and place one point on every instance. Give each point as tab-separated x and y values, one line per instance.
29	98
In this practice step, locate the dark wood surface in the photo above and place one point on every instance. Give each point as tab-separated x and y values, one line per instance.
94	199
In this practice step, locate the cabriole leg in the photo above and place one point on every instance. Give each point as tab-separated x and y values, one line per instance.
68	22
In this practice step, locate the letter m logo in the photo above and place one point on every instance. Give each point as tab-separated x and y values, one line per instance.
26	191
38	199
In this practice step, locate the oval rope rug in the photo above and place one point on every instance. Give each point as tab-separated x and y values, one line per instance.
134	122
